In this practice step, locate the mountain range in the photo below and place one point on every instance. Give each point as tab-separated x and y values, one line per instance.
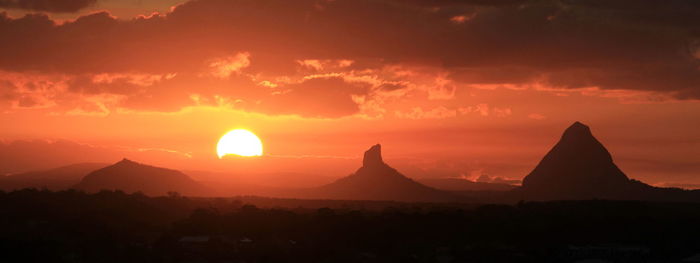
578	167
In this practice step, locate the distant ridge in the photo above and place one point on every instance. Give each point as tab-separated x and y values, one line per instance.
458	184
376	180
130	176
59	178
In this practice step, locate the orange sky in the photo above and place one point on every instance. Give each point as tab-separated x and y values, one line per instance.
450	88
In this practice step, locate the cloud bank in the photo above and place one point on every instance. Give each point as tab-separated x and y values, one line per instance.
338	58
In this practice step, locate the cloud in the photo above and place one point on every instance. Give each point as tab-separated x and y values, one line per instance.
482	109
419	113
316	97
224	67
443	89
536	116
442	112
687	186
258	52
485	178
54	6
328	64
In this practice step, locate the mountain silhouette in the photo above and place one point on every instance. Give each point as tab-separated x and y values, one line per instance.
577	167
60	178
376	180
580	167
130	176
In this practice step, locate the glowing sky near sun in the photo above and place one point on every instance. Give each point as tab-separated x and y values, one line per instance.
450	88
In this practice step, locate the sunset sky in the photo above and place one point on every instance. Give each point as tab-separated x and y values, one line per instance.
450	88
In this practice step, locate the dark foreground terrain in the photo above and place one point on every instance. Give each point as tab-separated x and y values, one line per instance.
71	226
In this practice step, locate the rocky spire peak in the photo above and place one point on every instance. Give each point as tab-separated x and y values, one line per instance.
373	156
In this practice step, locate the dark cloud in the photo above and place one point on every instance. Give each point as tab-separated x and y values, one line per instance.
54	6
319	97
452	3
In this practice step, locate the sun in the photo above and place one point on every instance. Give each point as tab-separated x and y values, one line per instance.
239	142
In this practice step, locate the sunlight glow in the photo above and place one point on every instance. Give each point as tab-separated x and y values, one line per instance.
239	142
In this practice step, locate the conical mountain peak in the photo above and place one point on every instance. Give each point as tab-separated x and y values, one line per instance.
577	130
373	156
578	166
578	144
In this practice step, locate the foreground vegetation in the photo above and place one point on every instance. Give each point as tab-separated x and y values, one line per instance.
71	226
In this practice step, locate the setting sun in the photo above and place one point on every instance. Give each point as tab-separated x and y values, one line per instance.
239	142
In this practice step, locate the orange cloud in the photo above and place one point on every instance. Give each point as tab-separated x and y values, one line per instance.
419	113
224	67
536	116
